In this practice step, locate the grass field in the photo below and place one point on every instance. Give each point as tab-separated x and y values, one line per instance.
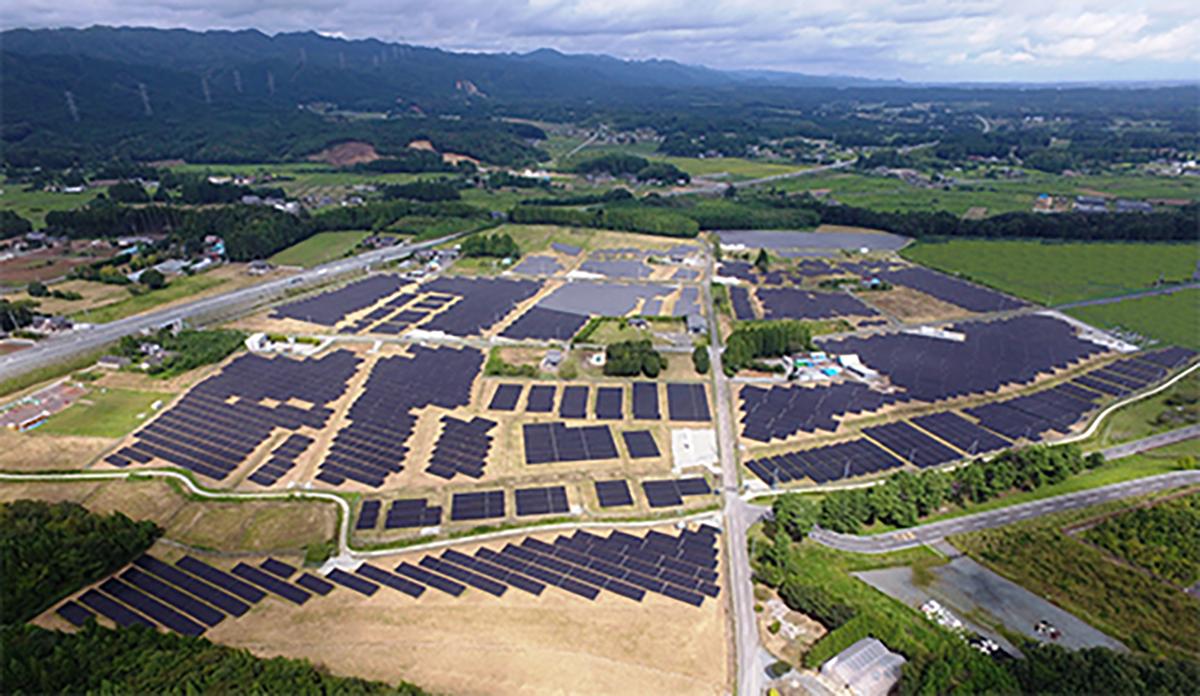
103	413
318	249
33	205
1138	420
1141	612
180	287
737	169
1056	273
1167	318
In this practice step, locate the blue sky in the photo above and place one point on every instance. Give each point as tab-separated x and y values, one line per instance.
915	40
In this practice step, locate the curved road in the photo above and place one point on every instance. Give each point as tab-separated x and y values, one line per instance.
936	531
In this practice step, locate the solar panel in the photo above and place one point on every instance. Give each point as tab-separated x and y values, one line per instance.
640	444
541	399
278	568
541	501
911	444
613	493
314	584
645	401
413	513
662	493
117	613
574	402
543	324
221	579
152	608
368	515
289	592
961	433
477	506
179	600
464	576
74	613
506	396
218	598
483	302
433	580
609	403
687	402
353	582
395	582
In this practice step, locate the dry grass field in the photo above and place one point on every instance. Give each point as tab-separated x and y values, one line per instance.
36	451
913	306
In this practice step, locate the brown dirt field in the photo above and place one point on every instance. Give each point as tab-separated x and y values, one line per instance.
252	525
346	154
913	306
975	213
139	500
53	492
479	644
10	348
846	228
140	381
34	451
47	264
94	295
422	145
455	158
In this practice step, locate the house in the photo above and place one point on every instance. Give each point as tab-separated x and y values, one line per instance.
1128	206
113	362
638	323
866	668
50	324
1090	204
554	357
150	349
258	267
696	323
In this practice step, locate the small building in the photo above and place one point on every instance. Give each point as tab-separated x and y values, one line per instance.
866	668
258	267
696	323
1090	204
1128	206
150	349
638	323
113	362
554	357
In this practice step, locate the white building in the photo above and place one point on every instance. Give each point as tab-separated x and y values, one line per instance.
866	668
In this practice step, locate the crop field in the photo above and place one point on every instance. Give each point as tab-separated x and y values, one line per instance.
737	169
103	413
1056	273
318	249
1137	610
300	180
1167	318
33	205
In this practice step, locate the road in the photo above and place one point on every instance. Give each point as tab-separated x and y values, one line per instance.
936	531
58	348
1153	442
1132	296
738	516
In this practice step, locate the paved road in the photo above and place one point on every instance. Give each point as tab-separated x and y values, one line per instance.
930	533
1133	296
738	516
59	348
1153	442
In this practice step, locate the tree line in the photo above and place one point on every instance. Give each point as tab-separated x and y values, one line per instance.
753	340
498	246
632	358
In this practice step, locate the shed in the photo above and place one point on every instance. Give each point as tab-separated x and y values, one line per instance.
866	668
696	323
554	356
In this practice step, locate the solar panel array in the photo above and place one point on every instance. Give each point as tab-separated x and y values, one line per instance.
541	398
485	301
739	297
1032	415
328	308
546	443
1171	357
947	289
641	444
283	460
669	493
794	303
996	353
961	433
416	512
825	464
610	403
645	401
368	515
462	448
372	447
189	597
574	402
477	506
206	434
780	412
687	402
544	324
614	493
506	397
912	444
541	501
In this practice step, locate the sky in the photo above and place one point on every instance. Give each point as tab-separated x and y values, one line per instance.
914	40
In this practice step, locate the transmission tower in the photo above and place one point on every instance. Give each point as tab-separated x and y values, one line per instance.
71	106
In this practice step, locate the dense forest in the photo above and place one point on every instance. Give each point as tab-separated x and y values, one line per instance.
51	550
1164	538
753	340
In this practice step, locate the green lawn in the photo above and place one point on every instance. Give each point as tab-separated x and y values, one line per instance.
104	413
33	205
318	249
1167	318
1139	419
738	169
179	288
1057	273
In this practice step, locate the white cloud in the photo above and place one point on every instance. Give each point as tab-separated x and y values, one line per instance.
912	39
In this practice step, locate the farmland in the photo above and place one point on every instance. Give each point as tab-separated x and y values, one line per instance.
318	249
1167	318
103	413
1058	273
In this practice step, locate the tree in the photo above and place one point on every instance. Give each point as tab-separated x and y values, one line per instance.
763	261
700	360
795	514
128	192
36	289
153	279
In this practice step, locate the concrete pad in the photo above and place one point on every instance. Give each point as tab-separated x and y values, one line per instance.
694	447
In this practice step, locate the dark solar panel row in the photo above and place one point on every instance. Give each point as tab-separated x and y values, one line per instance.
994	354
1032	415
1138	370
613	493
485	301
272	584
912	444
574	402
462	448
406	514
640	444
544	324
610	403
645	401
953	290
169	595
961	433
74	613
555	442
824	464
1074	390
687	402
541	399
1170	357
541	501
396	582
437	582
669	493
1117	378
780	412
477	506
353	582
739	297
371	447
150	607
278	568
314	584
221	599
506	397
794	303
368	515
1099	385
328	308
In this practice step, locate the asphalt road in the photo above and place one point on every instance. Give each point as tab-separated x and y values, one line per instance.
1153	442
738	517
62	347
1132	296
931	533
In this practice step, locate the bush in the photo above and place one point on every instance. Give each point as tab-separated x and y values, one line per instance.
631	358
700	360
36	289
153	279
498	367
496	246
775	626
815	601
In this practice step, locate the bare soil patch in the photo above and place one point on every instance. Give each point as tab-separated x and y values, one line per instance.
346	154
913	306
34	451
252	525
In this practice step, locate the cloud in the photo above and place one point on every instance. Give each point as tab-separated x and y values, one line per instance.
910	39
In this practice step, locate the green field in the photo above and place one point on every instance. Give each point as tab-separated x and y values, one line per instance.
33	205
318	249
300	180
738	169
1145	417
179	288
104	413
1057	273
1143	613
1167	318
